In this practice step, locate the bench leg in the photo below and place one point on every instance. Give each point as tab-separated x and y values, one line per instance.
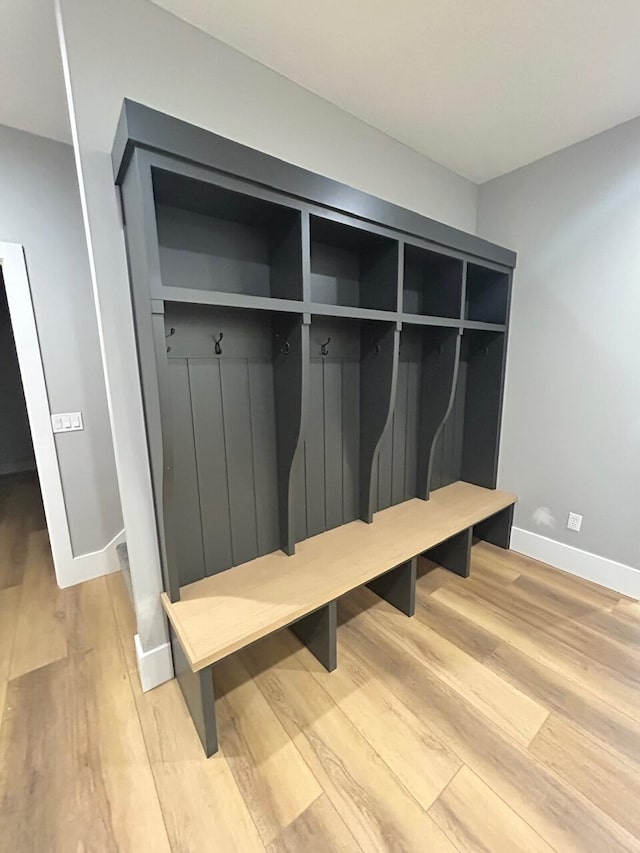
197	689
497	528
398	587
319	632
453	554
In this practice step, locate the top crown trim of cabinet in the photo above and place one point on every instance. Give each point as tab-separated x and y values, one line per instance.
140	126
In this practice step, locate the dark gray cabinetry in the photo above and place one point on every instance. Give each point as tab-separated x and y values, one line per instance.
309	355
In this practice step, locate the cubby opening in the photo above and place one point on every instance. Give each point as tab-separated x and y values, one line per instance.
350	376
235	412
352	267
432	283
467	446
487	295
426	371
212	238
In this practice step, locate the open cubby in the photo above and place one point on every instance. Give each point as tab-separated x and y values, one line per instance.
432	283
212	238
350	376
487	295
352	267
467	445
426	369
235	409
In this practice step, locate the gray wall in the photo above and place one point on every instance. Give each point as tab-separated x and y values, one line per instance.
40	208
571	433
122	49
16	449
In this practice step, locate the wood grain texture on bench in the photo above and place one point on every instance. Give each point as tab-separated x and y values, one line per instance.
223	613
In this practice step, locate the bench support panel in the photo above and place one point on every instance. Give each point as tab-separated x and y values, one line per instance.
398	586
197	689
497	528
318	631
454	553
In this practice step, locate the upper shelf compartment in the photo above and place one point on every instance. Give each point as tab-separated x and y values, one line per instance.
487	295
215	239
432	283
352	267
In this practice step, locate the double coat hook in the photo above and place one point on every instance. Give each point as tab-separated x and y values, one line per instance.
170	335
324	347
216	341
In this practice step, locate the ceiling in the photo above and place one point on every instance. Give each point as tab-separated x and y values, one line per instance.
481	87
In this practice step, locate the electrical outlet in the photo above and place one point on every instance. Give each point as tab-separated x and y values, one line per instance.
574	522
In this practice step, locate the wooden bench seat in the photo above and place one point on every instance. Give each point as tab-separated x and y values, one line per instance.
219	615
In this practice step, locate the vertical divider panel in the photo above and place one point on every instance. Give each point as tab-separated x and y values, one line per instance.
291	380
380	348
439	381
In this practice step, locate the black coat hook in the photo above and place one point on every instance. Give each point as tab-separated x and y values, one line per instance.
285	346
216	341
377	350
170	335
323	347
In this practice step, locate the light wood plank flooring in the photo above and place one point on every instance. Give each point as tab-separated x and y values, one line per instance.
504	716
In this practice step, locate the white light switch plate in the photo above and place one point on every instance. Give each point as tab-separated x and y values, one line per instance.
67	422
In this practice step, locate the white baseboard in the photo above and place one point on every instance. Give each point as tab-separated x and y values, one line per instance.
616	576
155	666
85	567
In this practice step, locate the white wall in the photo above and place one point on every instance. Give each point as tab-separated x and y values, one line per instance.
571	432
131	48
40	208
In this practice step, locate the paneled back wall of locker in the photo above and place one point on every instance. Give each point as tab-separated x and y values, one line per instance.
224	436
332	432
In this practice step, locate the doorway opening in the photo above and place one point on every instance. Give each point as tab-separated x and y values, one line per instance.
21	507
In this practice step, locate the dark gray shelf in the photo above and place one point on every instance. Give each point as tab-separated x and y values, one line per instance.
350	312
487	327
425	320
194	296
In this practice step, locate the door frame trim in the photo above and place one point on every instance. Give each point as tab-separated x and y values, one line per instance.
25	333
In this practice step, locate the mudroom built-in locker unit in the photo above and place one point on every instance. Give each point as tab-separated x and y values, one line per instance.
319	369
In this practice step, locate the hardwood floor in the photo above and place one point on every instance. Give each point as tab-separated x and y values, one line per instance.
504	716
